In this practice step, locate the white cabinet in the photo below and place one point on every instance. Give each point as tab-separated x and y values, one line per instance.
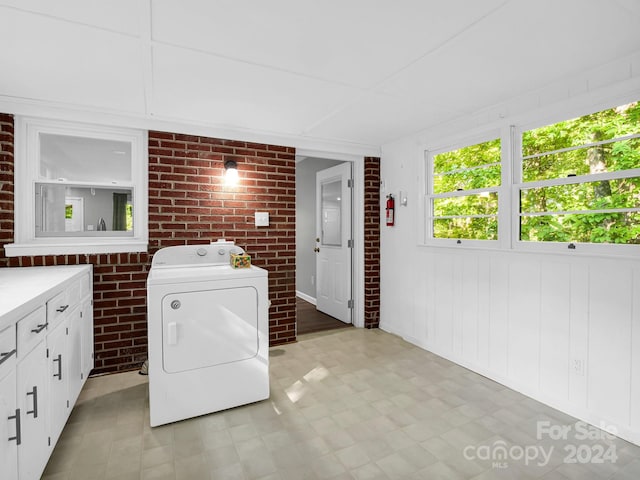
9	413
74	352
46	342
9	427
58	381
87	336
32	383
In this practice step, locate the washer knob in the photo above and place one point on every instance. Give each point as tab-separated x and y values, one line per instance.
201	252
222	251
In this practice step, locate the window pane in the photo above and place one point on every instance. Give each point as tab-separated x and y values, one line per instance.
467	157
478	204
619	193
611	157
480	177
63	210
620	228
596	127
485	228
84	159
331	213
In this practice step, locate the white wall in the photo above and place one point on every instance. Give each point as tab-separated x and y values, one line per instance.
523	319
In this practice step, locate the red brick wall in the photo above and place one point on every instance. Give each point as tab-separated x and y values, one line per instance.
188	204
6	183
371	242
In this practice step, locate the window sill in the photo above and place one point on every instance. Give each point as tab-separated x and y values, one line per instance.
84	247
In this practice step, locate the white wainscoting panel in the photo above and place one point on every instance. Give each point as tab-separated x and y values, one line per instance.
564	330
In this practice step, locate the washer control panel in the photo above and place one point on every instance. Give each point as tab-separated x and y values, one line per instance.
217	253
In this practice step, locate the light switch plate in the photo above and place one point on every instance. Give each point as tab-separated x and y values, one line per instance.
262	219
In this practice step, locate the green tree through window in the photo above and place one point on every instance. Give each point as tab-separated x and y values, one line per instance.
581	181
464	194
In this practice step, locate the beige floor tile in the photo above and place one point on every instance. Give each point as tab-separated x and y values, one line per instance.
358	404
396	466
353	457
165	471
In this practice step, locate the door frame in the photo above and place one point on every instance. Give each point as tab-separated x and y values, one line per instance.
357	226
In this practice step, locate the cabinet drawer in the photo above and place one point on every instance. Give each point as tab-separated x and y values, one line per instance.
57	307
31	330
60	305
8	349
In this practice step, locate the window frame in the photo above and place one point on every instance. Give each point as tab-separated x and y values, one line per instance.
427	217
26	175
518	185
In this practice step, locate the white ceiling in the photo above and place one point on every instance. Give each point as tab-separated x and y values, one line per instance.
356	72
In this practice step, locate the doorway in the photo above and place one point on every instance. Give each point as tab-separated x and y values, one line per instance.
315	246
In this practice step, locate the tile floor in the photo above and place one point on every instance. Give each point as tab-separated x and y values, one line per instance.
350	404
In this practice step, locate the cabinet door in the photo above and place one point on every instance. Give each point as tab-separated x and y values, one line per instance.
58	380
87	338
74	354
32	402
9	428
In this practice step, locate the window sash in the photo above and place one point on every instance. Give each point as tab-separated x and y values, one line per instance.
431	173
27	154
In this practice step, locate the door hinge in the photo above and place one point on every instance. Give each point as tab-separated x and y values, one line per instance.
47	353
81	376
67	403
350	183
350	304
49	441
350	243
80	314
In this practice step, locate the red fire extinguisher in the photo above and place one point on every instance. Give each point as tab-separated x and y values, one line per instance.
391	205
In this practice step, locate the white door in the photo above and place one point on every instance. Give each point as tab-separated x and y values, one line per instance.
333	238
209	327
32	401
58	382
74	355
73	214
9	423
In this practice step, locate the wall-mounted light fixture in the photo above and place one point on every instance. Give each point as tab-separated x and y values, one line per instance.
231	172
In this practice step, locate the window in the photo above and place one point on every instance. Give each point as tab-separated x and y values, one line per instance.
462	193
580	181
79	189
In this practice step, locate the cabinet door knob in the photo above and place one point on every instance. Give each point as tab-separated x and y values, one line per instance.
16	417
59	360
34	392
40	327
4	356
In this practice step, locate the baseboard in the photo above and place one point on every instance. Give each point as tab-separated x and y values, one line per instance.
305	297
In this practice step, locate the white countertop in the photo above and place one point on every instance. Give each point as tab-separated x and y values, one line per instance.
22	289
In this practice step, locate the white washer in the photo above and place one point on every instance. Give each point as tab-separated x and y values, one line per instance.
208	332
